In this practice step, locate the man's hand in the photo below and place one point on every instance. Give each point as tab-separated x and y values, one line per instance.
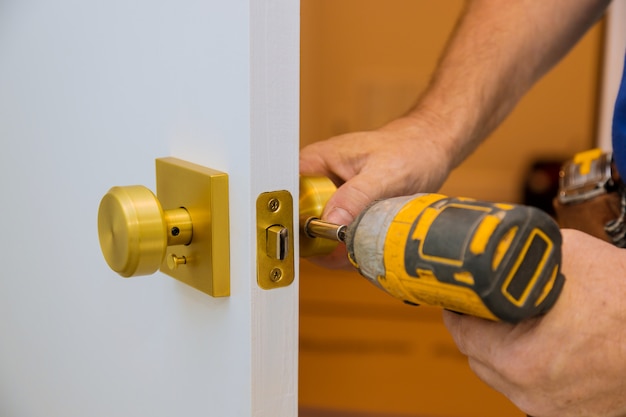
572	361
404	157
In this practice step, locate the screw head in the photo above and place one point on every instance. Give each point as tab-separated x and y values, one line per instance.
175	231
276	274
273	204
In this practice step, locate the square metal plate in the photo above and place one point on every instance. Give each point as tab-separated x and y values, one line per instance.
204	193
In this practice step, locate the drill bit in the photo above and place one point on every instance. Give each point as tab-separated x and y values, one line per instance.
314	227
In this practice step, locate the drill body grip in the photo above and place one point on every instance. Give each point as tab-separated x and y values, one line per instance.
496	261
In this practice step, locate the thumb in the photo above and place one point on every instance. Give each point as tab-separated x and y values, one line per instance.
351	198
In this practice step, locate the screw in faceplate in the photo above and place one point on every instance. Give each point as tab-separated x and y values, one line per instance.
273	204
175	231
276	274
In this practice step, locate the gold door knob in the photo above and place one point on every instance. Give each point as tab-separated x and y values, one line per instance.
135	231
141	233
314	194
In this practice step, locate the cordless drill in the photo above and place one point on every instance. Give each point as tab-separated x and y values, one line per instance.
491	260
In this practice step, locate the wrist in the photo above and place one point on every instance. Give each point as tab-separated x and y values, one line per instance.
444	132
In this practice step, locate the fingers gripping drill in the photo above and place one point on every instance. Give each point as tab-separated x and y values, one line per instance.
492	260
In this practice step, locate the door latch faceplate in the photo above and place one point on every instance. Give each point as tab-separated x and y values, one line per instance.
275	239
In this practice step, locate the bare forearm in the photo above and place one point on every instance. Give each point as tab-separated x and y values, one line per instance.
497	52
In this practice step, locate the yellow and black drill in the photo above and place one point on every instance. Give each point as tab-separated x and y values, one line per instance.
492	260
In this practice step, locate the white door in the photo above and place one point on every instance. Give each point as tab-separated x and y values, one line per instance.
91	92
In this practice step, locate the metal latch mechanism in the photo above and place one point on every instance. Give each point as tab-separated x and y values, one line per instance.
275	242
